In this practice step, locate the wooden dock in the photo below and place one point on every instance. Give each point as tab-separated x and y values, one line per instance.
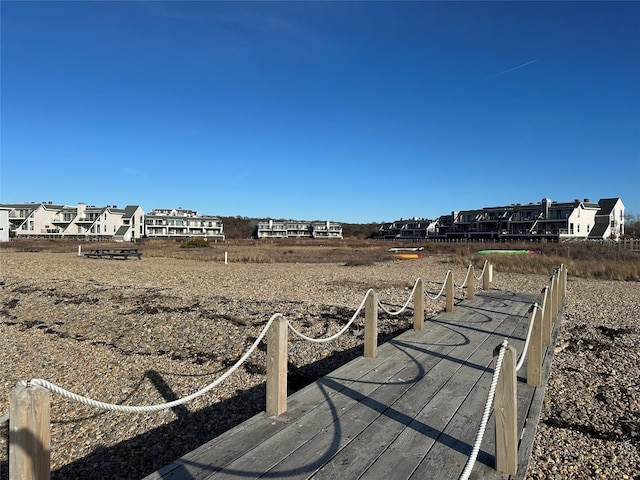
411	412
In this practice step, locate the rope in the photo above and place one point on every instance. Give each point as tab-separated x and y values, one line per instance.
150	408
333	337
404	307
442	289
485	416
464	284
526	343
486	262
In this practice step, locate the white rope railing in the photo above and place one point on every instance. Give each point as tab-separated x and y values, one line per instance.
442	289
333	337
484	267
523	355
150	408
486	414
464	284
404	307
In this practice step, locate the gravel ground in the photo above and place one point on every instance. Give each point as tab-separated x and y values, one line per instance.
151	331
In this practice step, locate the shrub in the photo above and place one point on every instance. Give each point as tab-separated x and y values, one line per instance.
195	242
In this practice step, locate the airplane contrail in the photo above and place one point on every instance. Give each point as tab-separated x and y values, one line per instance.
514	68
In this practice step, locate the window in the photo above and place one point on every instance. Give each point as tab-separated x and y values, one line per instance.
578	228
571	228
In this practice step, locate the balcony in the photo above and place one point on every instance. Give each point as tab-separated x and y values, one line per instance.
86	220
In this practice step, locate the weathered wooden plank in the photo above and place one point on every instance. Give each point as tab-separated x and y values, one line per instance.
406	452
334	413
236	441
365	447
532	414
351	410
449	457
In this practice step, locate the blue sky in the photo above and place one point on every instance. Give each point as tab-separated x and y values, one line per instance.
349	111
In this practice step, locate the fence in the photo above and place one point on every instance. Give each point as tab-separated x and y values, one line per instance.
504	383
29	401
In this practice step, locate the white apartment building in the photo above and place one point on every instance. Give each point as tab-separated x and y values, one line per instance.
298	229
551	220
4	224
182	223
86	222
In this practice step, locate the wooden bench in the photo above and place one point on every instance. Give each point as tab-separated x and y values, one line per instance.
120	254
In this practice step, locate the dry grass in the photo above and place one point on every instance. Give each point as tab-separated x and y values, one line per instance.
584	259
347	252
587	260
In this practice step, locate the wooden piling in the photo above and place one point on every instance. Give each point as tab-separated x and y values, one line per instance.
277	367
418	305
449	291
29	433
534	351
371	325
505	410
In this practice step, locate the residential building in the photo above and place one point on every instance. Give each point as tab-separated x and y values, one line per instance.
4	224
609	220
547	219
326	230
299	229
412	229
87	222
550	220
183	223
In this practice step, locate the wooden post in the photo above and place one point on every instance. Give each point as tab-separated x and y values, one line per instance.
486	281
534	352
471	283
563	291
449	291
505	411
547	326
554	298
371	325
29	433
418	306
277	367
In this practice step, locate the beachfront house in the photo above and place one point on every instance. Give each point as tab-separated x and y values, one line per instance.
85	222
298	229
179	222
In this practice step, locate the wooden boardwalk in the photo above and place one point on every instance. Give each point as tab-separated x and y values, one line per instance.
411	412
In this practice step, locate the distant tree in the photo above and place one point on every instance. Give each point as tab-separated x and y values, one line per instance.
237	227
359	230
632	225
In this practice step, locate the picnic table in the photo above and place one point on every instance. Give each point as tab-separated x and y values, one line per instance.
117	254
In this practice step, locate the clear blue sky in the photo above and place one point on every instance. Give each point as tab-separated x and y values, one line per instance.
349	111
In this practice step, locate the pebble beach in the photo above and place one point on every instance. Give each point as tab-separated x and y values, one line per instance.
156	330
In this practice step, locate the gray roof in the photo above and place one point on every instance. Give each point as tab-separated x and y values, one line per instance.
607	205
599	228
122	230
130	211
